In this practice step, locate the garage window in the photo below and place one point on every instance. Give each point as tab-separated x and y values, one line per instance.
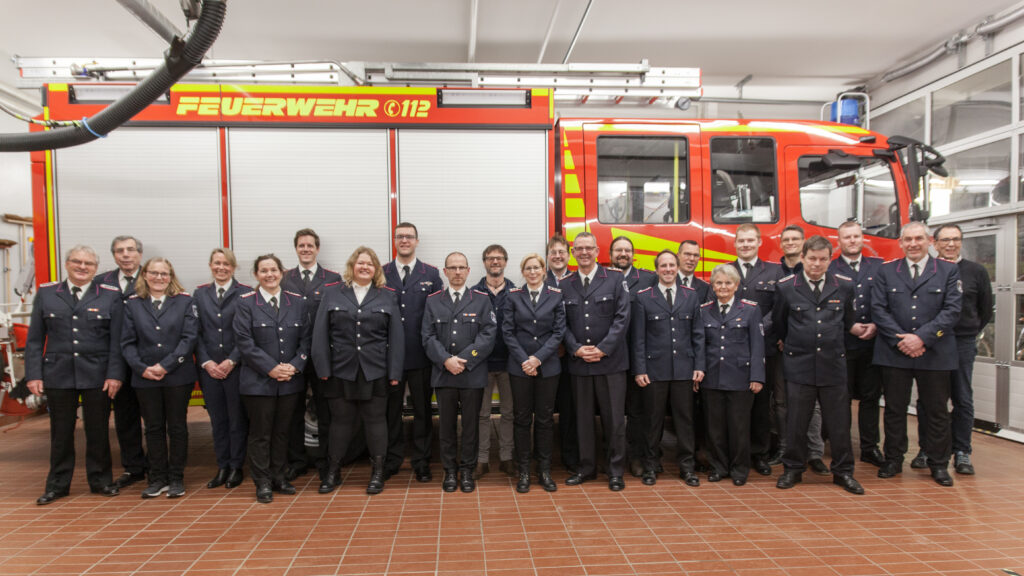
743	182
642	180
831	195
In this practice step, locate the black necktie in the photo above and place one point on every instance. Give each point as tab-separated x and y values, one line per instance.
725	310
853	265
307	277
816	289
668	297
405	275
915	274
586	283
128	281
156	305
75	291
273	304
456	296
747	268
220	294
533	296
686	281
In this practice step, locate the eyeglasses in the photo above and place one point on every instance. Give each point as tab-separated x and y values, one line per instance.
153	274
78	262
584	249
949	240
401	237
495	259
457	268
559	252
532	269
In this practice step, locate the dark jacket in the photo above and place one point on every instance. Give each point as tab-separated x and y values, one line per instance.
266	339
702	288
166	337
499	355
467	331
759	287
530	331
867	268
216	341
598	317
113	278
813	330
75	346
976	311
667	344
424	280
734	346
349	336
637	279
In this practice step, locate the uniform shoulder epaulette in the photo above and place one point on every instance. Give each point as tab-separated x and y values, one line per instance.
435	293
428	265
610	269
745	301
133	297
843	277
787	278
109	287
246	286
690	288
648	289
555	289
893	260
183	294
706	304
569	274
515	290
329	271
204	285
248	294
49	284
296	294
480	292
386	287
332	284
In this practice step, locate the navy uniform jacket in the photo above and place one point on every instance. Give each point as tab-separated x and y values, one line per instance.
867	268
550	280
668	344
637	279
167	337
702	288
75	346
424	280
530	331
599	317
266	340
216	336
112	278
348	336
928	308
734	346
499	355
292	282
759	286
467	331
812	330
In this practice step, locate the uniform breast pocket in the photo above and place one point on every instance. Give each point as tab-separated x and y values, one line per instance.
264	334
605	307
341	315
737	332
471	324
99	322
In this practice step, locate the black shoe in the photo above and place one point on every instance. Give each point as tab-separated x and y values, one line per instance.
508	467
234	479
284	487
176	489
49	497
220	479
818	467
264	494
649	478
523	485
108	490
762	467
616	484
547	482
690	478
376	484
129	478
481	469
890	469
714	476
962	464
154	489
467	484
739	481
636	468
293	472
390	471
776	459
942	477
658	468
920	462
577	479
789	479
423	474
873	456
848	483
330	482
449	484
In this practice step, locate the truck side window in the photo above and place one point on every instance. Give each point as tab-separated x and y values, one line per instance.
642	180
743	183
830	196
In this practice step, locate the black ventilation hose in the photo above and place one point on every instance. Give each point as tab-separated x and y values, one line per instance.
179	59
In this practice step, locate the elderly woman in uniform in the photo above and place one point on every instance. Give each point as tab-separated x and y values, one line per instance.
533	325
734	372
272	332
358	351
158	339
218	356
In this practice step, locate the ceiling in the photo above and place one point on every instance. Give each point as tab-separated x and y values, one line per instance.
804	44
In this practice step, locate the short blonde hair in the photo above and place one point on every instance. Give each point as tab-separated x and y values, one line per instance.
228	255
532	256
350	265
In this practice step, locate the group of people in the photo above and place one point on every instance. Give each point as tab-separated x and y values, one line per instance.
755	368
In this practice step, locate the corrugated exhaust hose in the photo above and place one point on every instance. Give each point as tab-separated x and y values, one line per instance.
179	59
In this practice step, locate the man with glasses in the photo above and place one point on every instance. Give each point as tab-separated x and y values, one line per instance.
597	320
568	443
74	350
689	258
412	280
975	314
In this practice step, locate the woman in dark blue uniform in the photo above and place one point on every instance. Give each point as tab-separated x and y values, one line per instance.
533	325
358	350
158	339
218	356
734	372
272	332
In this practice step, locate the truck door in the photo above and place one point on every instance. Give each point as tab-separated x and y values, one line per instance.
641	182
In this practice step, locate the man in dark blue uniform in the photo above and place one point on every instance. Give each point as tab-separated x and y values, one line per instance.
127	252
74	349
597	320
412	280
813	310
458	335
308	279
758	285
863	377
568	443
915	302
689	258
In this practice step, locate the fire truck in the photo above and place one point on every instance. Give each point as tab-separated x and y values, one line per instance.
246	166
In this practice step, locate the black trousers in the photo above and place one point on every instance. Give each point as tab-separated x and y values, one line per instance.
165	415
761	411
568	441
298	457
346	416
420	391
864	381
607	393
451	402
679	396
128	426
227	418
533	403
933	394
835	420
638	423
728	414
269	419
63	406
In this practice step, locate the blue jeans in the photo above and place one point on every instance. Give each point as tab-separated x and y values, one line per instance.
962	395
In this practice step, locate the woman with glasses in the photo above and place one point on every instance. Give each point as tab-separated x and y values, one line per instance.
272	332
358	350
158	339
533	325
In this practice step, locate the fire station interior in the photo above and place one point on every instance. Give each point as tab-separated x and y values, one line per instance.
507	122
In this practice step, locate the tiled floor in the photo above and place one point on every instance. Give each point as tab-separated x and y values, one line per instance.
907	525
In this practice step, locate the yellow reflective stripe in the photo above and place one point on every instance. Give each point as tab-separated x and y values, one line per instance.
574	208
567	162
572	184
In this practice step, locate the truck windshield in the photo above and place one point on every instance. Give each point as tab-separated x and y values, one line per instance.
642	180
743	183
830	196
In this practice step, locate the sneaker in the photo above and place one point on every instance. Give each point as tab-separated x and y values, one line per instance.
920	462
154	489
962	464
176	489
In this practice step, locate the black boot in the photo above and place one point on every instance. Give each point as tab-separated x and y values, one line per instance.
376	485
331	481
523	486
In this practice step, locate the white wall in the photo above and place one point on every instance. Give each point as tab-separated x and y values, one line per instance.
15	198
